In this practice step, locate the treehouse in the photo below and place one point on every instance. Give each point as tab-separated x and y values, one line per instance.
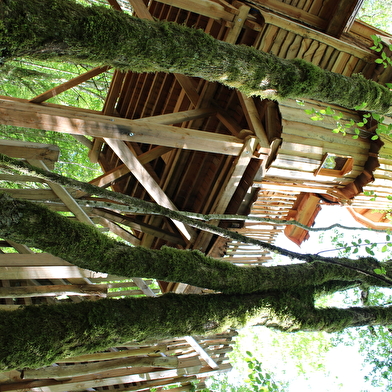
192	145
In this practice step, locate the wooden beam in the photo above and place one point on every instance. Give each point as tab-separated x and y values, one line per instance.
344	12
113	93
207	8
31	194
149	184
54	290
28	150
202	353
238	24
65	197
118	230
140	226
115	5
69	84
253	118
293	12
66	120
40	266
237	171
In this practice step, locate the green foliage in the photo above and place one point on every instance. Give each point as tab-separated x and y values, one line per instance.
375	341
258	379
377	13
344	128
379	47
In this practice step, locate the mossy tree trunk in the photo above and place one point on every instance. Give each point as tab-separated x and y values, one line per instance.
280	297
38	336
36	226
64	30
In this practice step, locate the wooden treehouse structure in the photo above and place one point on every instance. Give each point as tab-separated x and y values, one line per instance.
197	146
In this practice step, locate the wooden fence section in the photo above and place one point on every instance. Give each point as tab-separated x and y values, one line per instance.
272	203
36	278
132	367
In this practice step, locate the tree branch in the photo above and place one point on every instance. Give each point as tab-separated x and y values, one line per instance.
11	166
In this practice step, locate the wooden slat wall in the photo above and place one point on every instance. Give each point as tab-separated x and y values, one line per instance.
305	142
185	366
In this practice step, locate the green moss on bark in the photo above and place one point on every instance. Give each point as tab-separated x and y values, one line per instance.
102	36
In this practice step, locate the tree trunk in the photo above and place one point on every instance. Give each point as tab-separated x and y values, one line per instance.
85	247
103	36
39	335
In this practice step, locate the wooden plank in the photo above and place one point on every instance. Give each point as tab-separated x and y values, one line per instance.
103	356
115	5
238	24
140	226
69	84
253	118
65	196
202	7
31	194
318	36
28	150
118	230
293	12
70	371
95	150
192	342
28	259
13	112
53	290
143	286
114	92
105	378
149	184
47	272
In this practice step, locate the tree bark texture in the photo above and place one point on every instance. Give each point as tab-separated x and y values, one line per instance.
35	336
66	31
84	246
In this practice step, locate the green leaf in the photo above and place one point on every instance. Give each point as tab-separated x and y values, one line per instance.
308	111
329	111
378	61
384	248
378	271
361	106
355	136
375	137
389	85
369	251
316	118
